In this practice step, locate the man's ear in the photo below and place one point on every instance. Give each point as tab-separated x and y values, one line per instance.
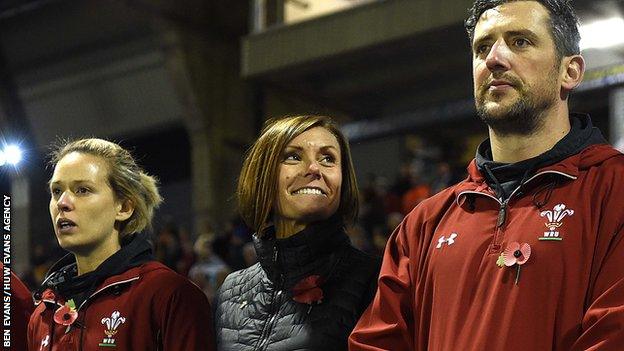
125	209
573	72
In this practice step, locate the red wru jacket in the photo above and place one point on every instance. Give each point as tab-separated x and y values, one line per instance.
148	307
440	287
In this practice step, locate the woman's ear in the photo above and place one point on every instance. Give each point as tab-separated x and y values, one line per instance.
574	69
125	209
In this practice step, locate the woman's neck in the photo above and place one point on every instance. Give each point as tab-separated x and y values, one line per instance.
89	262
286	229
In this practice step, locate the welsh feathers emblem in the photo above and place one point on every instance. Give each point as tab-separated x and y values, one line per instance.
112	323
555	218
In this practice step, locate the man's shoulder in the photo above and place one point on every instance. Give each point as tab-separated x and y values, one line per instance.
441	200
431	210
603	156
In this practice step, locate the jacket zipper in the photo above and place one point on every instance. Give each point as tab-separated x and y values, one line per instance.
263	342
502	214
82	328
518	188
504	205
52	333
104	288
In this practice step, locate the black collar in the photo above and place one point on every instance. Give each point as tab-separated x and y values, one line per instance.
310	251
62	277
504	177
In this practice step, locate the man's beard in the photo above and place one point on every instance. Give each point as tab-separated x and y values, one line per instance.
524	117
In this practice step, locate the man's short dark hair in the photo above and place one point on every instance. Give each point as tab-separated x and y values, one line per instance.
563	22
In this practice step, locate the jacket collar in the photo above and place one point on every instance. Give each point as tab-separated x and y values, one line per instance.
311	251
582	134
567	169
117	282
62	278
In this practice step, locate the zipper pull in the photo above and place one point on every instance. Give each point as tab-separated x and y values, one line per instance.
275	254
502	215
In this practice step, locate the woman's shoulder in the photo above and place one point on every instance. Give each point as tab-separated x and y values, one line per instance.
160	279
354	280
241	282
357	260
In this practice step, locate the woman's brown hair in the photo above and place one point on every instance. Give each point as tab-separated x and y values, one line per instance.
257	190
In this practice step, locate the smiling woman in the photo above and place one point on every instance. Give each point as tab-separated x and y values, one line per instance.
108	291
309	181
297	189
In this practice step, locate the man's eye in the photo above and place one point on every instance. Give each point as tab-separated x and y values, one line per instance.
82	190
481	49
55	191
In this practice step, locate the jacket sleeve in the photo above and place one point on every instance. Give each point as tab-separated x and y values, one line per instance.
30	333
387	324
186	320
21	310
603	319
22	307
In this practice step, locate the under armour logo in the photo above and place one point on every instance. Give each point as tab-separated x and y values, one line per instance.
449	241
44	342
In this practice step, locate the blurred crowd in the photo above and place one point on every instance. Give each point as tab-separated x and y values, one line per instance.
217	251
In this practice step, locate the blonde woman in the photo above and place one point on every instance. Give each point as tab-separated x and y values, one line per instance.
108	292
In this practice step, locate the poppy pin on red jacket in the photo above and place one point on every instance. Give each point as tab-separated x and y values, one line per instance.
66	314
515	254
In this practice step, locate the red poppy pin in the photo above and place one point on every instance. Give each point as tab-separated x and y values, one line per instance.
66	314
308	290
515	254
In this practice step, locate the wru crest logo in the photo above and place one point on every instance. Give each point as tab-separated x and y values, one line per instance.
111	324
554	221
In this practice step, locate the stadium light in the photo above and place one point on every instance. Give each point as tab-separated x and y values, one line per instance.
11	154
602	34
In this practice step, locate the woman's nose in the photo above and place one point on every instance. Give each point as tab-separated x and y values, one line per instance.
313	169
65	202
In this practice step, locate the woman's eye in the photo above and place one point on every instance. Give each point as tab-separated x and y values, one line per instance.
82	190
521	42
328	159
292	157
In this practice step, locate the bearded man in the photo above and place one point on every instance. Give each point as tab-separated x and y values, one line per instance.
526	253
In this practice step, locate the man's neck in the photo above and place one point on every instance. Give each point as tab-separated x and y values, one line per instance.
515	148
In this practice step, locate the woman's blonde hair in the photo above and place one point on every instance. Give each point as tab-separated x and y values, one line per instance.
257	184
125	177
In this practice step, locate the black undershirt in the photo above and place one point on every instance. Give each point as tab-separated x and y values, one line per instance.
504	178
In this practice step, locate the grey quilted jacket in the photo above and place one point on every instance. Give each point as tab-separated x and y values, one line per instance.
255	309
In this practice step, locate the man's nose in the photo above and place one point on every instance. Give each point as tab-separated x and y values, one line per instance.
498	57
